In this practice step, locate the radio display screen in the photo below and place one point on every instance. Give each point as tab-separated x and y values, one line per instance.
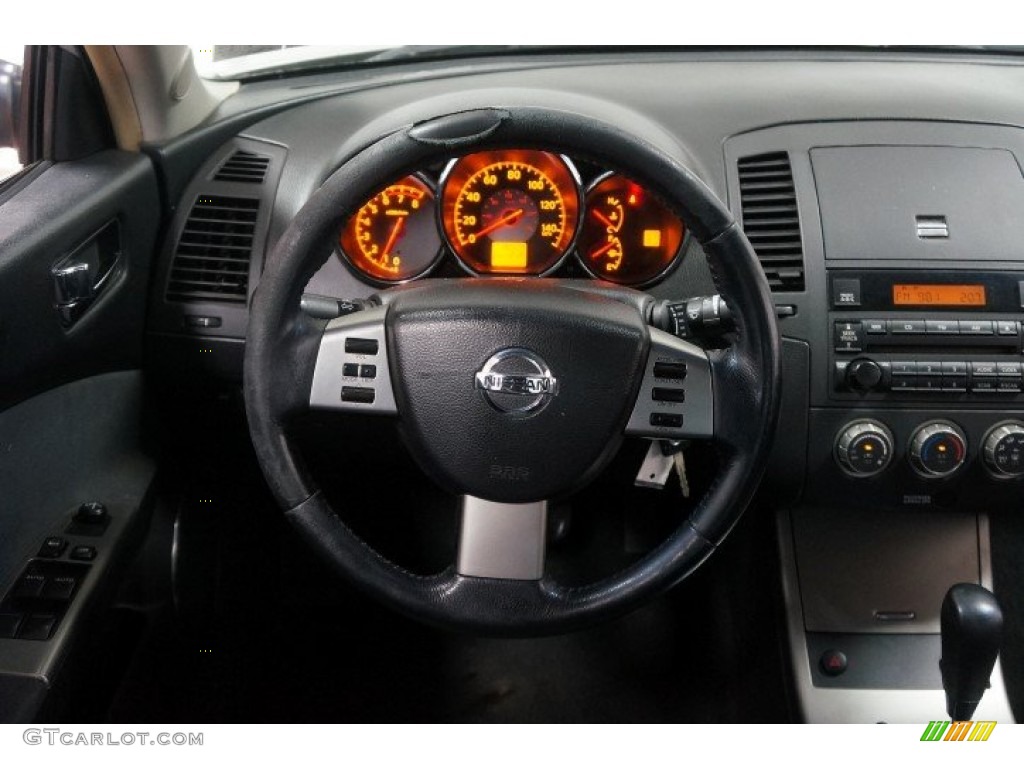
925	295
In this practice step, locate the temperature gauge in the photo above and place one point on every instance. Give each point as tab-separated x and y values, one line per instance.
628	236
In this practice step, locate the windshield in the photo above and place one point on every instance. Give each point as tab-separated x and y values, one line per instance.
239	62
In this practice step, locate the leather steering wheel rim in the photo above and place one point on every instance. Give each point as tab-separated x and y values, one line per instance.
282	346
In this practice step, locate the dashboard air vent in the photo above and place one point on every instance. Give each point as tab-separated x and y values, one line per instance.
211	262
246	167
770	218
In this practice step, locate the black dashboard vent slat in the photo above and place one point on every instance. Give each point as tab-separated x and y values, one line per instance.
245	167
771	219
211	260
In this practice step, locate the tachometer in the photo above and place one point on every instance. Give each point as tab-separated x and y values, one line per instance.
393	237
510	212
627	236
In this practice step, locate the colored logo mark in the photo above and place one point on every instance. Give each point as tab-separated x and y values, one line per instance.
965	730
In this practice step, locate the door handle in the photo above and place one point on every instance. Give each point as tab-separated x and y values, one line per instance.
81	277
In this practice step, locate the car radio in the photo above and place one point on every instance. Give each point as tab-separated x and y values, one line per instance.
950	335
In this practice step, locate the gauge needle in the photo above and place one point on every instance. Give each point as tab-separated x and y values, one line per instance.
603	249
602	218
393	237
508	218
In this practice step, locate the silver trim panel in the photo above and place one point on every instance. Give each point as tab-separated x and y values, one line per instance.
846	705
502	541
331	359
696	412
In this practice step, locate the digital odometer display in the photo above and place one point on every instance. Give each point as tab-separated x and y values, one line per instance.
925	295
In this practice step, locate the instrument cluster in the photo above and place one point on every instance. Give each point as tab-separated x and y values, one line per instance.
513	212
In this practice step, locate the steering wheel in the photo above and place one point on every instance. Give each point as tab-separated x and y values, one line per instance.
512	392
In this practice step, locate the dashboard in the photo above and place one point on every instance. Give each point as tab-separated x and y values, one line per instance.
880	193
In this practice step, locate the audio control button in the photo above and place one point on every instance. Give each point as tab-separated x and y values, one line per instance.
942	327
983	386
976	327
954	367
902	382
849	336
904	367
930	367
875	327
1008	370
900	327
983	369
928	383
1006	327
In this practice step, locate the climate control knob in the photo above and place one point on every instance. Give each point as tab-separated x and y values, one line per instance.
864	448
937	449
863	373
1003	450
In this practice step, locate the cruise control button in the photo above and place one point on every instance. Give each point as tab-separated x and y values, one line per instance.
666	420
356	346
976	327
357	394
942	327
670	371
902	327
668	395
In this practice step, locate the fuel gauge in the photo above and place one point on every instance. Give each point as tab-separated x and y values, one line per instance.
627	236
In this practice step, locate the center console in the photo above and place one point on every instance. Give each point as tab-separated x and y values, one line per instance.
912	315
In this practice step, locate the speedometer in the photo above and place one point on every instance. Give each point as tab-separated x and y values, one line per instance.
510	212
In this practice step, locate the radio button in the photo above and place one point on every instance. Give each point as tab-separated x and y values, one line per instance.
1009	386
902	382
983	385
976	327
983	369
875	327
929	367
903	367
906	326
954	382
846	292
1006	327
1008	370
958	367
849	336
929	382
943	327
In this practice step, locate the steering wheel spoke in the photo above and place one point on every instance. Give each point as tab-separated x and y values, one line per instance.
352	373
502	541
676	397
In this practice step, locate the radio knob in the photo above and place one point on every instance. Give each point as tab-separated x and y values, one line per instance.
1003	450
864	448
863	373
937	449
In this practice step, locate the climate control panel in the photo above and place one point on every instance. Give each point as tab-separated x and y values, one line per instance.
935	449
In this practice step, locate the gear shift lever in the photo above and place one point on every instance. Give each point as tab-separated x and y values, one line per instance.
972	630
